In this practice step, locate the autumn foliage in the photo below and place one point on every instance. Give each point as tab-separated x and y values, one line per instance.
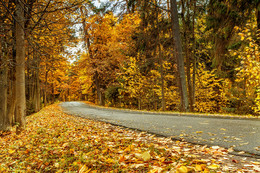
123	54
131	63
126	54
56	142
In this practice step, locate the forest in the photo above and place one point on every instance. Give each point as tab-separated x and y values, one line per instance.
187	56
160	55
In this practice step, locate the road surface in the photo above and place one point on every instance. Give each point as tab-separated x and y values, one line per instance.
241	134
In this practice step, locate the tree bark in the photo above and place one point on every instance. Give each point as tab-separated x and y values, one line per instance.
4	120
46	86
160	58
12	82
12	96
162	79
258	19
179	57
99	95
194	56
188	28
258	16
37	90
20	67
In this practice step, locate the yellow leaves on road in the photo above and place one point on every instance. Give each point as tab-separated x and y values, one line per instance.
56	142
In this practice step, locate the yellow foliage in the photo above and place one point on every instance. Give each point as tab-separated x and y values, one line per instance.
209	91
248	73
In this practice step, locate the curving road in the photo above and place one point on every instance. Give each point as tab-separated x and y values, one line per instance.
241	134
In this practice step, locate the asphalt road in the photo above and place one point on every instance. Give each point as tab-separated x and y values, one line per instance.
241	134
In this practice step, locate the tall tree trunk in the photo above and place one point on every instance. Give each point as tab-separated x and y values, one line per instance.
179	57
12	95
87	41
258	19
194	56
37	90
4	120
12	80
186	6
158	44
37	94
20	65
29	78
162	79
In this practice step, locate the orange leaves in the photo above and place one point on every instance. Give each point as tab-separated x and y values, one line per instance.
56	142
108	41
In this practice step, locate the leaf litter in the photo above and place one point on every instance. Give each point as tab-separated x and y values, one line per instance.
56	142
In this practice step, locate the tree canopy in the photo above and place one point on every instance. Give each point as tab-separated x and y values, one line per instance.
199	56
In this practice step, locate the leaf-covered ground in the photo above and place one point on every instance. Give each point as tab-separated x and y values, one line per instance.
56	142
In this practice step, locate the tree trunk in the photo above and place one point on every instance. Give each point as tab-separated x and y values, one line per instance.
188	66
99	95
45	88
5	124
4	120
158	44
188	50
168	8
12	96
194	56
258	15
139	103
220	51
37	90
162	79
179	57
194	81
20	65
12	82
258	19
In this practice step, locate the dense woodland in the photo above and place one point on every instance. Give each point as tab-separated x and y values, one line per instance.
189	55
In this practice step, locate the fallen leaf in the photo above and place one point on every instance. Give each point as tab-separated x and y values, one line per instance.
198	168
146	156
11	151
214	167
235	161
182	169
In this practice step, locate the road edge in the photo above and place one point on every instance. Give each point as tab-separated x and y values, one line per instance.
191	114
235	152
